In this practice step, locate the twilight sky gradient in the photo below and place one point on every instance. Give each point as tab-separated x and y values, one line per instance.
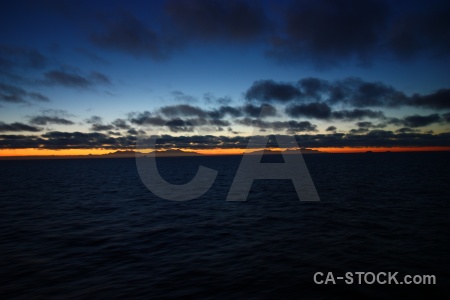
82	77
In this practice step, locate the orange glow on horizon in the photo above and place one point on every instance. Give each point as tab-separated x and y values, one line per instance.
218	151
45	152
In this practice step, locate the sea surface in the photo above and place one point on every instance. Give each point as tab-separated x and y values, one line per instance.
90	229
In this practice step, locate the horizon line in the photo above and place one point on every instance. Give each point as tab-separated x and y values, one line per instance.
174	152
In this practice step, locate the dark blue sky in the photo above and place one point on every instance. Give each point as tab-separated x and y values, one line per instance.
75	74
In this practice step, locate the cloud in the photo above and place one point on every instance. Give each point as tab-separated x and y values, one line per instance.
437	100
183	110
269	90
66	79
94	119
414	121
239	21
92	56
359	130
44	120
357	114
100	78
4	127
255	111
291	126
182	97
316	110
352	91
329	32
133	131
14	94
12	57
186	110
313	87
320	110
426	30
225	110
331	128
446	117
420	121
38	97
101	127
121	124
74	80
211	99
367	124
79	140
128	34
146	118
406	130
95	140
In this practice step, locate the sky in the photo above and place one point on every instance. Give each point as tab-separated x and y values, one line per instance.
80	77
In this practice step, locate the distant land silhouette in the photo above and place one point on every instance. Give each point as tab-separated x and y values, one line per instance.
159	153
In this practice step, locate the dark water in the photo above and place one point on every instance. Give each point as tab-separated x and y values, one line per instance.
90	229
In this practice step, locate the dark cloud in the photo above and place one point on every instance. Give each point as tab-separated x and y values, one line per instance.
128	34
183	110
329	32
420	121
186	110
15	94
313	87
320	110
291	126
269	90
100	78
359	130
351	91
10	93
138	118
121	124
316	110
38	97
240	21
437	100
370	94
424	30
331	128
255	111
446	117
12	58
74	80
116	133
406	130
133	131
66	79
175	123
44	120
4	127
92	56
94	119
415	120
79	140
211	99
146	118
366	124
179	96
225	110
357	114
178	125
101	127
95	140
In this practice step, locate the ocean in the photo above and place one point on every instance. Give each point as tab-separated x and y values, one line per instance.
89	228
